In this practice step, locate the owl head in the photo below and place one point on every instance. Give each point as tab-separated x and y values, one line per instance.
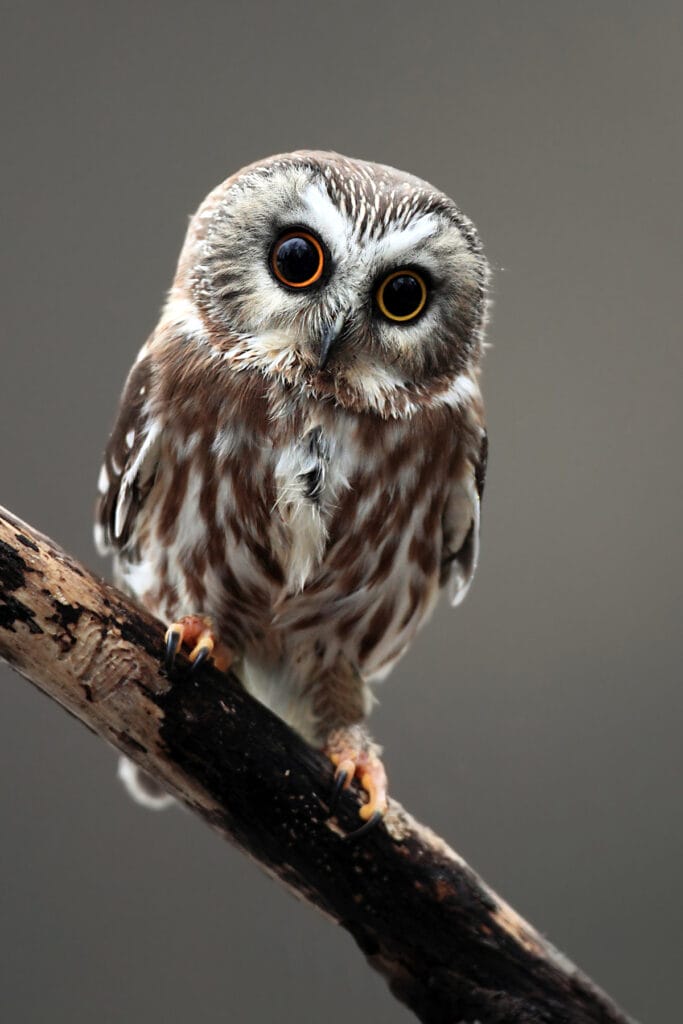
351	280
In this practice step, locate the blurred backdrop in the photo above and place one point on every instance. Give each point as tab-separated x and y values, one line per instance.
538	727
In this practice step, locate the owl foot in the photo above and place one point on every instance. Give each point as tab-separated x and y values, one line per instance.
358	760
197	633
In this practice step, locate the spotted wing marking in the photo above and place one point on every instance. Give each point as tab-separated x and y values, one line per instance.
461	522
130	464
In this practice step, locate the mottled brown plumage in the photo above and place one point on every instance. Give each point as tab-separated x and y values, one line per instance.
301	464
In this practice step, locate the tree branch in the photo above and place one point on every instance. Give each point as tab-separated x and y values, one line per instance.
447	945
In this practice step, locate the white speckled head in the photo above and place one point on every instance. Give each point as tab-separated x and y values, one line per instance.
373	225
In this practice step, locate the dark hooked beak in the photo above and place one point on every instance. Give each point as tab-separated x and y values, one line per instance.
330	340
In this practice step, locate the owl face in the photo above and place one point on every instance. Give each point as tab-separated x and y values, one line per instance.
344	276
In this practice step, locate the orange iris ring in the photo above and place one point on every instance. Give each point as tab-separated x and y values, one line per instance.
387	280
321	259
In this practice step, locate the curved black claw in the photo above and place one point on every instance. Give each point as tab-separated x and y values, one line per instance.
199	659
366	827
339	783
173	638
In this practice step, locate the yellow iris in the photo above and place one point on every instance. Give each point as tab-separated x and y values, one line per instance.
403	301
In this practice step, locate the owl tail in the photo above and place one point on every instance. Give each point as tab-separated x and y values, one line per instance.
145	790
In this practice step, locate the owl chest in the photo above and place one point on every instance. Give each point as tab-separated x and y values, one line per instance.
321	524
278	503
288	506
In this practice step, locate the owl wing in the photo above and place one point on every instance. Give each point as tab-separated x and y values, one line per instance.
460	551
130	464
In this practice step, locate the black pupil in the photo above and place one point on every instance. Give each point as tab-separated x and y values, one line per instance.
297	260
402	295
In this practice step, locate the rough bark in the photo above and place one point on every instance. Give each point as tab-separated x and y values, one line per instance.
448	947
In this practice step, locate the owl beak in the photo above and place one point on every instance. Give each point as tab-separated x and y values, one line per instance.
330	340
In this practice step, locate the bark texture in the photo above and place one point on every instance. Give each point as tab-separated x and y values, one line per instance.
448	947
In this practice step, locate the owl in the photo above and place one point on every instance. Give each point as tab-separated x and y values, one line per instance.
297	465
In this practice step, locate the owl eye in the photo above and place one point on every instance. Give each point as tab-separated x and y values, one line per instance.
402	296
297	259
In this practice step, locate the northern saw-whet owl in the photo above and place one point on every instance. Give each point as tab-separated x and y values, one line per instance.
298	460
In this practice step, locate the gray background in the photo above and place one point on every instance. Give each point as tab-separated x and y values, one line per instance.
538	728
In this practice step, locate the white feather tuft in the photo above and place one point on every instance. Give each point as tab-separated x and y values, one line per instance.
142	788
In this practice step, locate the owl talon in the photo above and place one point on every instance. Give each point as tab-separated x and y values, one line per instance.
173	638
196	632
341	778
198	656
351	762
366	827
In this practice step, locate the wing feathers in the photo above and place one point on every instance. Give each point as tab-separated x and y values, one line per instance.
130	464
461	521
